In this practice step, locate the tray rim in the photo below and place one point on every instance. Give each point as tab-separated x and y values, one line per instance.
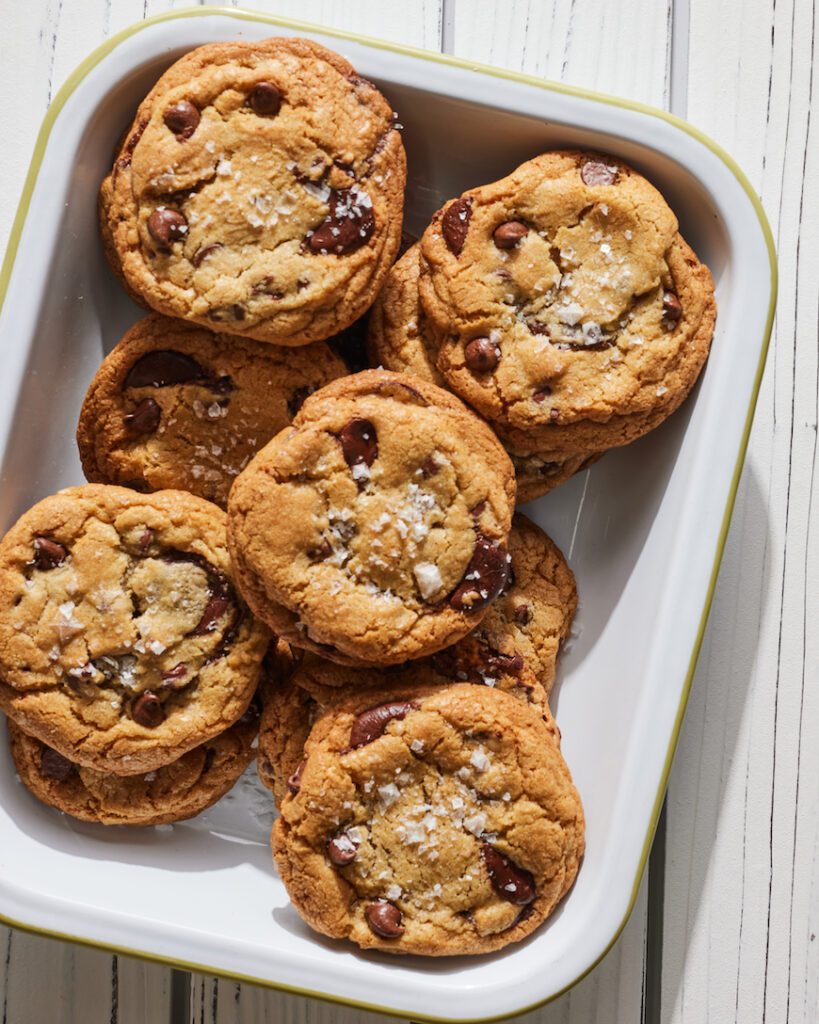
6	268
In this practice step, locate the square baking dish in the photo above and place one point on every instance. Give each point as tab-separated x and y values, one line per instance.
643	530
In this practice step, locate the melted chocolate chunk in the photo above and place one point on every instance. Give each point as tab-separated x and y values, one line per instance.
204	251
162	368
54	765
484	579
371	723
455	224
48	554
144	419
509	881
348	225
359	443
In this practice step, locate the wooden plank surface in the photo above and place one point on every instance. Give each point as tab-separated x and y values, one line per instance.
742	879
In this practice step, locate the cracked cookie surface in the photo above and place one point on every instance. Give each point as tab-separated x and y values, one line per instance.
430	820
123	642
177	406
174	792
566	307
400	339
260	187
373	530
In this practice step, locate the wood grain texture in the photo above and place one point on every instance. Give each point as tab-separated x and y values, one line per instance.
742	880
592	45
48	981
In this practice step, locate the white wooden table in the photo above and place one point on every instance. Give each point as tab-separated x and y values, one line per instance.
724	929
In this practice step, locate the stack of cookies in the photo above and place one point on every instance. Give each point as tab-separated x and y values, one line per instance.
561	303
266	527
128	661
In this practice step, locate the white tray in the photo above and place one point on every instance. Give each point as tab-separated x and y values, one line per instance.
644	530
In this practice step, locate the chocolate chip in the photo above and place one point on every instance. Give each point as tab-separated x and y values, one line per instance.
147	710
371	723
509	881
523	614
481	355
672	307
430	467
166	226
294	781
506	664
238	311
455	224
348	224
216	607
484	579
536	327
162	368
541	394
221	598
384	919
146	538
48	554
145	418
54	765
265	99
342	850
595	172
204	251
508	234
359	443
177	672
182	119
554	415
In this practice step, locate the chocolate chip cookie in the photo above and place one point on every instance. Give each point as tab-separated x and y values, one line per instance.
373	530
400	339
174	792
260	187
176	405
566	307
123	643
431	820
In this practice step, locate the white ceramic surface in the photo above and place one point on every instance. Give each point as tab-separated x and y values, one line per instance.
642	530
